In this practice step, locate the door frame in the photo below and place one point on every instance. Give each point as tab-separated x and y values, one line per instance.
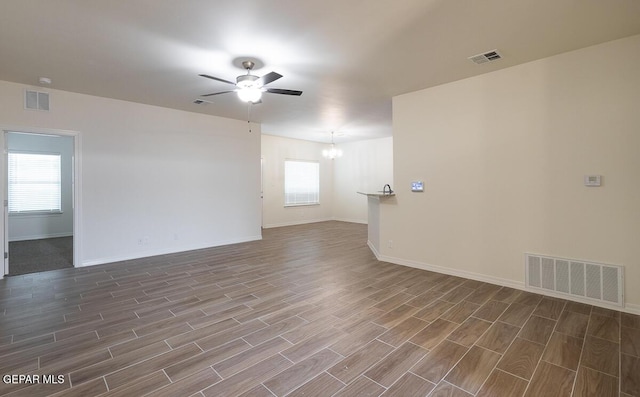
261	192
76	186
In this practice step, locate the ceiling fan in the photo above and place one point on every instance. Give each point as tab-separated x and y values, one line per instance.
250	87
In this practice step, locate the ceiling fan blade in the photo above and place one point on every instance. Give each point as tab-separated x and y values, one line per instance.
268	78
218	93
216	78
284	92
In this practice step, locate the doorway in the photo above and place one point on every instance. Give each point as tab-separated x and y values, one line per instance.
40	208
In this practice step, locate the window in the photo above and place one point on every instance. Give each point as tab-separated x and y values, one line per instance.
301	183
34	182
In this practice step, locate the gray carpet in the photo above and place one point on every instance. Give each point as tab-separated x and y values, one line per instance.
33	256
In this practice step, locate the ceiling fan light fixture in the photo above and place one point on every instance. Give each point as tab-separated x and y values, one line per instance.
250	87
247	80
250	94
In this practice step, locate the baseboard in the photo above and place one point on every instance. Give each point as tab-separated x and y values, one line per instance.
628	307
374	250
173	250
41	237
360	221
294	223
633	309
454	272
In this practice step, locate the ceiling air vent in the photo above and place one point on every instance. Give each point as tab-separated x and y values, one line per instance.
486	57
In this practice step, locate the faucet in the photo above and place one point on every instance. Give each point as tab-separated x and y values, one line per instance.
384	189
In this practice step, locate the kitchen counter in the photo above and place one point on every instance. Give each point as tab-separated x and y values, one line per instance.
377	194
375	199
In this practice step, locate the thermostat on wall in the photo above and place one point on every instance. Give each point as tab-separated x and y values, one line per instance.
417	186
592	180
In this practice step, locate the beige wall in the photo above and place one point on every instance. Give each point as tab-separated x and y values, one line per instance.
503	157
174	180
365	166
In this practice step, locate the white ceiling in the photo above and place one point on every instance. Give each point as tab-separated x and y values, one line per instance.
350	57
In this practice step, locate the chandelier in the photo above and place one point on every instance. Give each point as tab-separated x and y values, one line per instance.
332	153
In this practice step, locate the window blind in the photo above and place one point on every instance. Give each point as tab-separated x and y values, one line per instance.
301	182
34	182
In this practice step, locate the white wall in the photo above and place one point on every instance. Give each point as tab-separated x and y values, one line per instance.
503	157
275	150
175	180
37	226
365	166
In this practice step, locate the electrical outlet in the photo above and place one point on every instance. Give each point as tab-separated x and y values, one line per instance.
390	244
175	236
145	241
140	241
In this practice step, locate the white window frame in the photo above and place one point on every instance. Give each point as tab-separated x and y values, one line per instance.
52	210
290	197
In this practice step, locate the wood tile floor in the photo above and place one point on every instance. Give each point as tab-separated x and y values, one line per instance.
307	311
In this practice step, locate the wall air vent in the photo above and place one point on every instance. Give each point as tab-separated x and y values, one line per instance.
588	281
36	100
486	57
